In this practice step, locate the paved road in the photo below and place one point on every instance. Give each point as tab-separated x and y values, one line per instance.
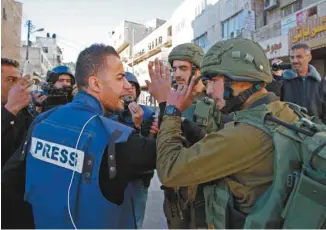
154	216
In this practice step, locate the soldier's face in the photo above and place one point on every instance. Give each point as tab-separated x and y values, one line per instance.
215	89
111	84
182	71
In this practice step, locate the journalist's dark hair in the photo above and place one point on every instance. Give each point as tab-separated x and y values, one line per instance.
10	62
301	46
91	61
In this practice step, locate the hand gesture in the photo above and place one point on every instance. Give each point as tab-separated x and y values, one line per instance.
39	98
75	90
154	128
160	84
136	113
18	96
183	96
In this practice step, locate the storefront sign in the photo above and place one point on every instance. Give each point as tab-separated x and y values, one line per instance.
314	29
288	23
276	47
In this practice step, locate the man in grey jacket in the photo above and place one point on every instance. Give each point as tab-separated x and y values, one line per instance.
302	84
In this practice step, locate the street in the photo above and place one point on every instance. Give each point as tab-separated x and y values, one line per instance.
154	216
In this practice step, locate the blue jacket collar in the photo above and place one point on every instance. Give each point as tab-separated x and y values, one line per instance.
290	74
88	101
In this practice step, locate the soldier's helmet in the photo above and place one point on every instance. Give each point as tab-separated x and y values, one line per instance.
187	52
238	59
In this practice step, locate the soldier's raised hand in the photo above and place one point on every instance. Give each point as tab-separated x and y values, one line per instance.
160	84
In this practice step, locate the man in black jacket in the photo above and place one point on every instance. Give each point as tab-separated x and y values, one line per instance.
15	98
302	84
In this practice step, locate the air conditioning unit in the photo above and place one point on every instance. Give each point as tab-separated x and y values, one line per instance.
270	4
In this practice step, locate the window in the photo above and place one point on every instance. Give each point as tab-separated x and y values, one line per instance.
200	8
149	46
42	60
45	49
180	26
292	8
202	41
160	40
4	14
155	42
232	27
170	31
312	11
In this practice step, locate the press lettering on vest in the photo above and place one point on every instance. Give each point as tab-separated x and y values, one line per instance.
57	154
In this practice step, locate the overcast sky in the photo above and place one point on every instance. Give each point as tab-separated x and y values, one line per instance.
79	23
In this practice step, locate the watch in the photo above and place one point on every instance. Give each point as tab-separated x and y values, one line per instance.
171	110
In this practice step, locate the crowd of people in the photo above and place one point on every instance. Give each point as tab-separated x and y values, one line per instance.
235	144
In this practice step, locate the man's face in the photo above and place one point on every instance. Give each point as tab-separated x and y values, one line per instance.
64	80
215	89
182	71
9	77
112	84
300	59
131	92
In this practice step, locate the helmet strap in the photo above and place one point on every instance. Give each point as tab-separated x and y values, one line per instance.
234	103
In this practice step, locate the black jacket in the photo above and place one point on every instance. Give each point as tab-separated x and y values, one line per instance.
308	92
13	130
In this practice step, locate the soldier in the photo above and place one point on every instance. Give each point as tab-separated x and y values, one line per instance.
184	206
240	157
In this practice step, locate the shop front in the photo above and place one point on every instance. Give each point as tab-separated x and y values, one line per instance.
313	33
276	47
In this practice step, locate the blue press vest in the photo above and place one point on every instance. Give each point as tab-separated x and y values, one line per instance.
51	162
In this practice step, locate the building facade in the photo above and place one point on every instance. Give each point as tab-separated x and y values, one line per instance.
38	58
155	45
11	22
289	22
51	49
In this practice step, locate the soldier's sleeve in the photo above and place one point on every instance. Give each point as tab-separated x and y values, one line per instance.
217	155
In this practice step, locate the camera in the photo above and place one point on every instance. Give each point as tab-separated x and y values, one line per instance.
281	66
55	96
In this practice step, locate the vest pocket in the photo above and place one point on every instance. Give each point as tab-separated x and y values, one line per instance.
306	208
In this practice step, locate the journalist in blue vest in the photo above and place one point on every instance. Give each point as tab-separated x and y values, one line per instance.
78	170
141	118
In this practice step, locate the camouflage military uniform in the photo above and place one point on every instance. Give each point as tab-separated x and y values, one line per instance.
239	154
184	207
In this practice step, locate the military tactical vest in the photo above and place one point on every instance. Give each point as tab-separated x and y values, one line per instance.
297	196
205	114
184	207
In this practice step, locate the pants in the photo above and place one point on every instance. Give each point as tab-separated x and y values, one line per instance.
140	199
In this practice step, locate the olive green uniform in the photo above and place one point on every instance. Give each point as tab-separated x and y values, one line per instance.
232	154
184	207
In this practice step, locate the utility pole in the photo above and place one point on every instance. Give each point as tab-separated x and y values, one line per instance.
29	30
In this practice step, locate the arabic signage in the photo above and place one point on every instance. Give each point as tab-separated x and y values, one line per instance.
313	33
276	47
